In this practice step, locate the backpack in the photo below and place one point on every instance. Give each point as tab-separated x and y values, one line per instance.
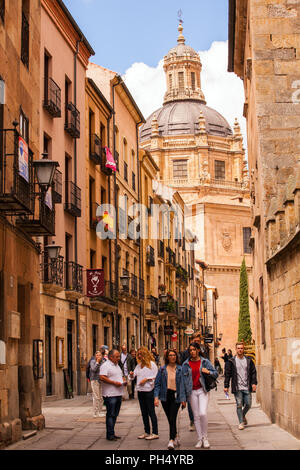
210	382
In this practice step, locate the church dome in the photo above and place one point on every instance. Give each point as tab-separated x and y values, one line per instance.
182	117
182	50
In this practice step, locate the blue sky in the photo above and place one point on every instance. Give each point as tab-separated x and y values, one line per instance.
122	32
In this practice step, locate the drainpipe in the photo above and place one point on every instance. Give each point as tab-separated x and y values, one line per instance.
109	189
76	229
116	323
140	245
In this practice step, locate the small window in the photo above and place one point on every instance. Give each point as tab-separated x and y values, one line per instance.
180	169
25	34
181	81
246	239
24	126
193	80
219	170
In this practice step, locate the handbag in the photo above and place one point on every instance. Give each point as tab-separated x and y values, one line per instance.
210	382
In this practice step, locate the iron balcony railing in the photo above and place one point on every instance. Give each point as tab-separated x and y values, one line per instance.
72	199
106	170
126	273
42	222
52	270
72	124
161	249
16	174
153	305
142	289
52	97
171	257
134	285
73	276
117	160
150	256
94	219
95	149
110	293
57	187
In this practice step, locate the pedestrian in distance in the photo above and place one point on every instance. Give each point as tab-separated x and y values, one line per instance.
155	355
184	355
193	370
218	366
94	371
242	372
127	366
169	389
145	373
113	385
134	364
229	354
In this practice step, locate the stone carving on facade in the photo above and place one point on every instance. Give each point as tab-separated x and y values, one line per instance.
205	175
226	241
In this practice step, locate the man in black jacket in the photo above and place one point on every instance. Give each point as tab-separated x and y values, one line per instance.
242	372
127	365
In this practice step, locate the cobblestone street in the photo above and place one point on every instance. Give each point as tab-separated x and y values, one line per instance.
70	426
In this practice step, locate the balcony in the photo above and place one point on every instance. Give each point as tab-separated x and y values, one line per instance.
125	288
183	313
95	149
117	160
72	123
94	219
171	258
42	222
167	304
152	306
52	274
134	286
109	297
72	199
160	249
142	289
150	256
181	274
73	280
16	174
52	101
57	187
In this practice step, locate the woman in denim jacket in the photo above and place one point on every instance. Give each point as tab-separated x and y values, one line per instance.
193	370
169	389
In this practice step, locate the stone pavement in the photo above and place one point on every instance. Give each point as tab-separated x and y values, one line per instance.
70	426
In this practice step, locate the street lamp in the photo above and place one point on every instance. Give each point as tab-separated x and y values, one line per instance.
44	170
125	282
53	251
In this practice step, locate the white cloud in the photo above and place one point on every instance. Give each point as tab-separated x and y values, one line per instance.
223	90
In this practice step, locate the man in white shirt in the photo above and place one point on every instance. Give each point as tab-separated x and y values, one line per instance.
112	389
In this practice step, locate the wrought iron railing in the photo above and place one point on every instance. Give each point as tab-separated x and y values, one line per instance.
16	174
95	149
52	270
72	123
52	97
72	199
161	249
150	260
57	187
134	285
109	295
153	305
73	276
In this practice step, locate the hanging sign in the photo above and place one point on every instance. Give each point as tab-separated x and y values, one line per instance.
95	282
189	331
23	159
174	336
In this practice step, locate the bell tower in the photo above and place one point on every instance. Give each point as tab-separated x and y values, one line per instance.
183	67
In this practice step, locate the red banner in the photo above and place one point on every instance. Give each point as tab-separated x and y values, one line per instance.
95	284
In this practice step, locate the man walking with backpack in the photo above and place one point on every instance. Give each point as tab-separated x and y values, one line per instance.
242	372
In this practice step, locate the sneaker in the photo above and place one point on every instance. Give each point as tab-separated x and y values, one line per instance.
199	444
192	427
205	443
143	436
245	421
176	442
101	415
171	445
152	436
241	426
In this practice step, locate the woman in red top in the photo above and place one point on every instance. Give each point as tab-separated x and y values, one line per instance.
199	397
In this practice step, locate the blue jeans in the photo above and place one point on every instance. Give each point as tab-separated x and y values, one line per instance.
243	400
113	405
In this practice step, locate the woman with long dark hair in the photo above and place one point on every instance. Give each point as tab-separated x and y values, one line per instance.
193	370
169	389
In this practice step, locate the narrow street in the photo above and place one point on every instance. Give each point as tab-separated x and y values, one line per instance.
70	426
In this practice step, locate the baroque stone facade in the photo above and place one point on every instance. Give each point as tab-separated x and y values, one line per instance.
203	159
264	51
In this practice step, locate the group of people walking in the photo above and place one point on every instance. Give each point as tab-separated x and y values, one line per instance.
182	380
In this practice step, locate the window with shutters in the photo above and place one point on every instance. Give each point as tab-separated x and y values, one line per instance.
219	170
246	239
180	169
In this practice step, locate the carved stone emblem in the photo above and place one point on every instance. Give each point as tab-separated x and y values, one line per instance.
226	241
